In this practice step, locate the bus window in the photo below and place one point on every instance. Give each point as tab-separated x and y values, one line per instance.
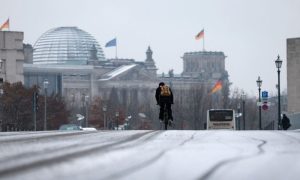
220	119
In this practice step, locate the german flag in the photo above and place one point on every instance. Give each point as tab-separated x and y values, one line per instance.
217	87
5	25
200	35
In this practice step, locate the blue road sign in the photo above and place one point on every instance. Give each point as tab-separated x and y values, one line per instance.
264	94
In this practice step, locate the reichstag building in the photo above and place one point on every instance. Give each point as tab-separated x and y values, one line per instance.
74	65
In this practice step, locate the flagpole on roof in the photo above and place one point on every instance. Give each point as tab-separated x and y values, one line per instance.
203	41
116	48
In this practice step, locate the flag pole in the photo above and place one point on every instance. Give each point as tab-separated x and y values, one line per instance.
203	42
116	48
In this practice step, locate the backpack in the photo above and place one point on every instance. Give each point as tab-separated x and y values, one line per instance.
165	90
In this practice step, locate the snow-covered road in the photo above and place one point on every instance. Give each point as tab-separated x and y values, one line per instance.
150	155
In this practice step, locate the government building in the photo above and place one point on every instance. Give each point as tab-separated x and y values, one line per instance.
70	62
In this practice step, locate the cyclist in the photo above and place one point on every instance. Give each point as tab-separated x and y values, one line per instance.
164	96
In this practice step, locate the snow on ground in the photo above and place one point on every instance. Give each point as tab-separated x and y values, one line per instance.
152	155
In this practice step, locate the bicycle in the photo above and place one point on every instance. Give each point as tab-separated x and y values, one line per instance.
165	120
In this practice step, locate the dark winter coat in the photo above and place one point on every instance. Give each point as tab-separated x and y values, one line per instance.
285	122
165	99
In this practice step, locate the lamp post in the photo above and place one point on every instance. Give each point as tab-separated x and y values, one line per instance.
1	71
117	119
244	115
239	116
46	82
278	64
86	100
1	120
259	82
128	122
104	108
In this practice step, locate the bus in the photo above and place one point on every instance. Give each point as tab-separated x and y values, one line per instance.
220	119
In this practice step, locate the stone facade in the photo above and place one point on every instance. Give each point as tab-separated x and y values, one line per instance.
204	65
97	79
128	83
11	56
293	74
28	53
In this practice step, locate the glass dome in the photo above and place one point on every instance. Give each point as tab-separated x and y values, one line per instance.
65	45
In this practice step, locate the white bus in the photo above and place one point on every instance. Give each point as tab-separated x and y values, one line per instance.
220	119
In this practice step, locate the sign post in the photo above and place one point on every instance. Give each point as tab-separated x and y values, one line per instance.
264	97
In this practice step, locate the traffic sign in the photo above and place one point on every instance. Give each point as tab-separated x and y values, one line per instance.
262	103
265	106
264	94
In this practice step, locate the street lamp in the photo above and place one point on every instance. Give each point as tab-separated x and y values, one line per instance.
104	108
239	116
278	63
1	67
46	82
244	115
117	119
128	121
1	121
86	100
259	82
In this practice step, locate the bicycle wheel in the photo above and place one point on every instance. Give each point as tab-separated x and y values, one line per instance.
166	120
166	125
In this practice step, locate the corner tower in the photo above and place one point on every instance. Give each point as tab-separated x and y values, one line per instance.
149	62
204	65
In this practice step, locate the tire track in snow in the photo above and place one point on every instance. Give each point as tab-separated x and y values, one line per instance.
47	150
74	153
219	165
150	161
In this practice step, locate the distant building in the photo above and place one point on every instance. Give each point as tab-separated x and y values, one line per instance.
293	74
74	64
66	46
11	56
204	65
201	68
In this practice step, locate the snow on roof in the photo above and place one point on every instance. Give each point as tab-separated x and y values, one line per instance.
116	72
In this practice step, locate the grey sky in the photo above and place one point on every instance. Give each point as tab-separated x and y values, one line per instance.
251	33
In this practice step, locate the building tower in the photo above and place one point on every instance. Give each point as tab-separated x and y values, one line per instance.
149	62
11	56
204	65
93	58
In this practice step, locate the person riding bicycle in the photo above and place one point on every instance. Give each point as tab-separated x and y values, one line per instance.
164	96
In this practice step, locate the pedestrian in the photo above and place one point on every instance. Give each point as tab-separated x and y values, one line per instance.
285	122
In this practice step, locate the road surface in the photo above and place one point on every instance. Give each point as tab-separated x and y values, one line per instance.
150	155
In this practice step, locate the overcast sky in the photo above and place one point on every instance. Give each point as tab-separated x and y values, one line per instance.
251	33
